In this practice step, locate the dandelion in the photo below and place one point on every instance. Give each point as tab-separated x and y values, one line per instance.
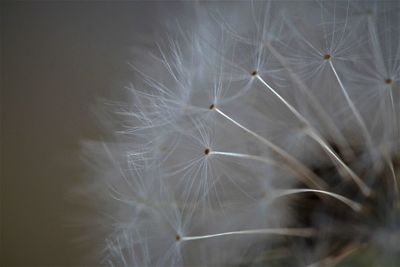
259	133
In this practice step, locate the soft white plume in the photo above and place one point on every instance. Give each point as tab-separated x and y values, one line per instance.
257	133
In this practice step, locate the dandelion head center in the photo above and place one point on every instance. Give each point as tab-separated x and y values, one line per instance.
315	206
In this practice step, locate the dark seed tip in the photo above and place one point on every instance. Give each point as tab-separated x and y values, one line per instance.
327	57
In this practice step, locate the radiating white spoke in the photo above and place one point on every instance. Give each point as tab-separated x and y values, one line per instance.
354	110
316	137
287	104
352	204
310	178
341	165
300	232
326	119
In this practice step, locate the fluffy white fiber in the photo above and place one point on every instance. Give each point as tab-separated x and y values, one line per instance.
258	134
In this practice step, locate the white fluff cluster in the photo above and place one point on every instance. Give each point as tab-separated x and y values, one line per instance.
258	134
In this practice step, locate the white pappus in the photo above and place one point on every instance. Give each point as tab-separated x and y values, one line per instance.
262	133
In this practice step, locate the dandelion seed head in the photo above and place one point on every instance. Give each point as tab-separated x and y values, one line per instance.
305	150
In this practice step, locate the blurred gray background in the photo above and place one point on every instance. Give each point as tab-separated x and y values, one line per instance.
56	58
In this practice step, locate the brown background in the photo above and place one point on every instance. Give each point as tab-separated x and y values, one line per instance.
56	58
